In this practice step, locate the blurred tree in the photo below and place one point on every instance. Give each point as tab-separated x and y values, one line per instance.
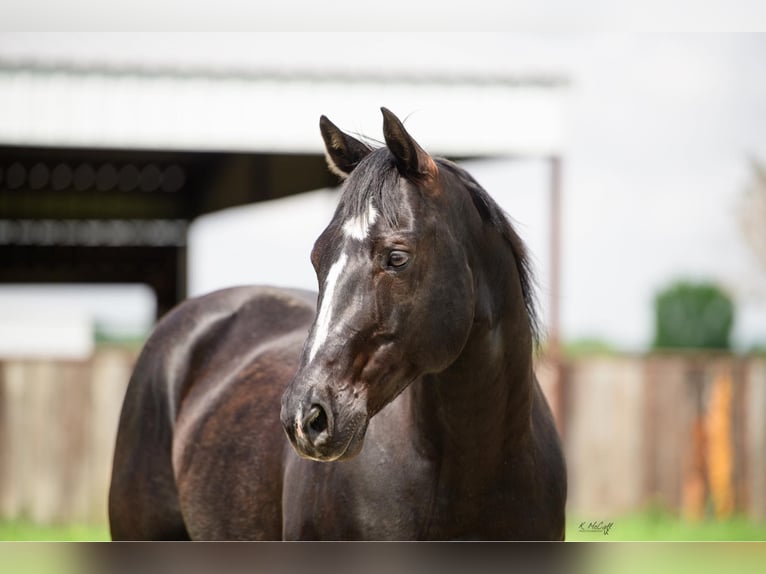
696	316
752	212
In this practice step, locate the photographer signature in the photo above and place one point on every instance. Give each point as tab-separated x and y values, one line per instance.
596	526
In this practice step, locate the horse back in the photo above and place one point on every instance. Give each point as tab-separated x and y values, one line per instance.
213	360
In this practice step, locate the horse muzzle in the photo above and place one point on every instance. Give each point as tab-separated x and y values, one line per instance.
318	431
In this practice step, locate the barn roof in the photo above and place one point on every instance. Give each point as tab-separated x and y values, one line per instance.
273	110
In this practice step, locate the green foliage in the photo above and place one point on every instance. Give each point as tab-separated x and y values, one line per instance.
693	316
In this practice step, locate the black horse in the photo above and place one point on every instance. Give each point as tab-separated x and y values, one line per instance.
409	399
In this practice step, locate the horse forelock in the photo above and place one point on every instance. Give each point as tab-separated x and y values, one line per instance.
374	183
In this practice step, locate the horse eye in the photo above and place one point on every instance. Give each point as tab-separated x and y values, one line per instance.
397	259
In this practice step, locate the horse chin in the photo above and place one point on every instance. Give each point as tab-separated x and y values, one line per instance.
354	446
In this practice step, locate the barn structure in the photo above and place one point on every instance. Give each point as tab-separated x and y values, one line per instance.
103	167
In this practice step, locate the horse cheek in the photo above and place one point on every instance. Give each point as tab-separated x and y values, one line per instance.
448	324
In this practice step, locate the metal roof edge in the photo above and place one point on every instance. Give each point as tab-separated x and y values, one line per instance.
352	76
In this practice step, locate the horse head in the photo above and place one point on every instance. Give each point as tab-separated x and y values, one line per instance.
396	299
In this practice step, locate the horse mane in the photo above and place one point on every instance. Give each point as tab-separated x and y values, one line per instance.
494	215
377	173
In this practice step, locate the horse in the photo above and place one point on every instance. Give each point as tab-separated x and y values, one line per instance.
400	403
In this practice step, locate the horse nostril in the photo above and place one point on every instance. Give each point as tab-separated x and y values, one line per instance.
316	420
314	426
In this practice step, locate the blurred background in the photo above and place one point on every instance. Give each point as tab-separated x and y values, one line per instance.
139	169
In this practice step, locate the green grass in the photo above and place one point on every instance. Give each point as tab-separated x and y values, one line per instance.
589	346
25	530
661	526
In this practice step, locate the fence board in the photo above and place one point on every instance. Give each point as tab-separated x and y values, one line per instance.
606	403
756	439
58	422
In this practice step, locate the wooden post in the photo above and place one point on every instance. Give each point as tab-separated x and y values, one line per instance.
554	325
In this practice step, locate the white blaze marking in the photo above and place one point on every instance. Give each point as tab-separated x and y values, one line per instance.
322	327
359	227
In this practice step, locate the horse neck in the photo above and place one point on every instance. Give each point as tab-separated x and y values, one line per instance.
481	405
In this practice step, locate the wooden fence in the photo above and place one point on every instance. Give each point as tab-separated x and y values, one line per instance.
58	422
684	431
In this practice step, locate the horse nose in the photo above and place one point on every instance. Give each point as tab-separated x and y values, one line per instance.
308	423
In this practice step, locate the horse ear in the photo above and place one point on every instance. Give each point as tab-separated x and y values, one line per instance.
343	151
412	161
